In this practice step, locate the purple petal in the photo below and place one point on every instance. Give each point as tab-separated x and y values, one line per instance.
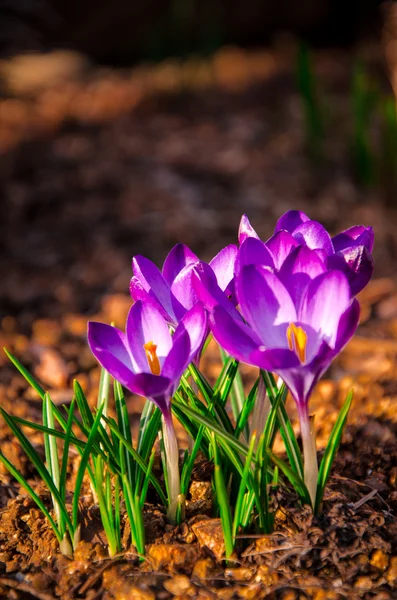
274	359
356	263
326	299
358	235
178	359
314	236
253	252
195	324
177	259
146	324
183	290
291	220
246	230
223	265
154	387
265	303
153	282
347	325
209	292
109	346
234	336
298	269
302	379
139	293
280	246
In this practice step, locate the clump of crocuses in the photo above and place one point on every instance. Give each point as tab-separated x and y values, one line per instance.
286	305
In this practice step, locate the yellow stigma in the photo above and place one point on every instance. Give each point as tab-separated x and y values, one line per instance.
297	340
152	358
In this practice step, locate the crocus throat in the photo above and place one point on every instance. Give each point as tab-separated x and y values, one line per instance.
152	358
297	340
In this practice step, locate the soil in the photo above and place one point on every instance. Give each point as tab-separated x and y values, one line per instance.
109	164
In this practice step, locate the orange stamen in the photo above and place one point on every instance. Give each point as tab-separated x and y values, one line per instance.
152	358
297	341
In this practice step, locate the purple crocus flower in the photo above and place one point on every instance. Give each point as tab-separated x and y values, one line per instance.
296	322
171	289
148	361
349	251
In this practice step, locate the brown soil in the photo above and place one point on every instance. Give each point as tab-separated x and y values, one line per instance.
109	166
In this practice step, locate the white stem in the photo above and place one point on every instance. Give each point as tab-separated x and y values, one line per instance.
309	452
172	461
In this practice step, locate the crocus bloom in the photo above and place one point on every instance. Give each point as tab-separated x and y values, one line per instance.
148	361
296	322
171	289
349	251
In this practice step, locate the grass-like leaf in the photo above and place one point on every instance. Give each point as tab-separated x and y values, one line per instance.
22	481
223	501
292	477
331	450
83	464
39	466
287	432
25	373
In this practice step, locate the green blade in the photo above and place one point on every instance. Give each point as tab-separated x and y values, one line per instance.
22	481
293	478
25	373
331	450
83	465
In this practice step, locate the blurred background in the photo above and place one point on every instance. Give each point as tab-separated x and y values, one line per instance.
128	126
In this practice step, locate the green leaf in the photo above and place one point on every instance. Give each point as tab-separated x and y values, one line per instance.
331	450
25	373
223	501
83	465
113	427
51	452
238	518
285	426
39	465
22	481
293	478
246	410
65	455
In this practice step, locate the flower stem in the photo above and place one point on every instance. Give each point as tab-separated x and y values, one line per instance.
309	451
175	498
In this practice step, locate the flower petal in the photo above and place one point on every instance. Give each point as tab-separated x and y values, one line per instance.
273	359
146	324
246	230
195	324
291	220
223	265
347	325
326	299
139	293
298	269
253	252
265	303
109	346
280	246
314	236
183	290
178	358
153	282
358	235
356	263
209	292
155	387
234	336
179	256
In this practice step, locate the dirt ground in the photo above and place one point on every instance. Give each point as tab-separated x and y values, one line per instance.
111	164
